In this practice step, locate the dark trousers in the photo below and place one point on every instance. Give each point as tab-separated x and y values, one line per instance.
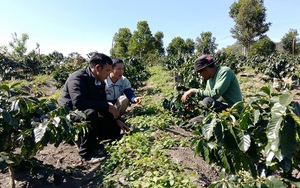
215	105
211	103
102	127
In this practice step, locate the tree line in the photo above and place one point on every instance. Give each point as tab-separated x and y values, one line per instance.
249	31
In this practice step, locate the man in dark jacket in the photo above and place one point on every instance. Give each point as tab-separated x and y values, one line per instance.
85	90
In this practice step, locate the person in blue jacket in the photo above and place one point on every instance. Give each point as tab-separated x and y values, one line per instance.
118	87
85	90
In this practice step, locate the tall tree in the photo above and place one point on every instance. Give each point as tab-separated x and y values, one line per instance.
264	46
18	46
158	43
180	46
120	43
142	42
250	19
190	46
206	43
176	46
290	42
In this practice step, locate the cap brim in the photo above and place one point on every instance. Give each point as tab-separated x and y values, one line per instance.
206	66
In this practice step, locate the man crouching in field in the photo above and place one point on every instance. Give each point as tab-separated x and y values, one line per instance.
85	90
221	83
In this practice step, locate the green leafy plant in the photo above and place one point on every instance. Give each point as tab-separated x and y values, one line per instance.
29	124
135	71
260	142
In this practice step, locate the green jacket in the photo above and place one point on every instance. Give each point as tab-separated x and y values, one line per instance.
224	84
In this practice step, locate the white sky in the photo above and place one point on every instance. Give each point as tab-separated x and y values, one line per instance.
85	26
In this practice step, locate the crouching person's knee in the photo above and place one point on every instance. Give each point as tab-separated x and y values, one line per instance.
122	104
208	102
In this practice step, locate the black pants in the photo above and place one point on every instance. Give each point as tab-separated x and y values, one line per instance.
102	127
211	103
215	105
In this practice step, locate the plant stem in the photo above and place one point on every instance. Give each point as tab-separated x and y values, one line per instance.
12	177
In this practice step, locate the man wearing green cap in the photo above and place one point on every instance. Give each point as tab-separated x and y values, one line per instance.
221	83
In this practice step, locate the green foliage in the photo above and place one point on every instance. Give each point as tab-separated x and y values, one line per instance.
142	41
62	72
17	64
159	43
291	42
121	41
179	46
18	46
206	44
250	17
264	46
141	158
143	161
29	124
135	71
262	140
8	67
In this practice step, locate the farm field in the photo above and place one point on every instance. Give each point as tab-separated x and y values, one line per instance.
156	153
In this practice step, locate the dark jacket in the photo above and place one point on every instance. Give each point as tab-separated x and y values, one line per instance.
81	92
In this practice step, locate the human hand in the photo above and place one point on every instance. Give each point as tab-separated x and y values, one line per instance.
186	95
112	109
123	126
138	100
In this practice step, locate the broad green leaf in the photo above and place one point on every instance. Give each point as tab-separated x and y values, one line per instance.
244	122
296	118
224	159
198	146
206	154
286	164
4	87
288	138
269	157
286	98
15	106
208	128
196	132
56	121
297	109
278	154
219	133
39	132
265	90
15	84
256	115
273	127
272	181
213	184
243	141
222	174
6	116
278	109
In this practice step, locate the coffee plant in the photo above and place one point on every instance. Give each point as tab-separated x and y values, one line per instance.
27	124
135	71
258	147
